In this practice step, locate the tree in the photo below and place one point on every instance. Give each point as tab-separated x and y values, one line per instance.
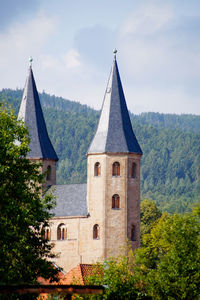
117	277
168	266
23	211
149	214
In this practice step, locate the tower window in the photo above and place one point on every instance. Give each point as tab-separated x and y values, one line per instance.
96	232
46	233
133	233
134	170
48	173
61	232
97	169
115	201
116	169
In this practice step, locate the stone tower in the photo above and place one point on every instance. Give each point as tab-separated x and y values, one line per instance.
41	149
113	182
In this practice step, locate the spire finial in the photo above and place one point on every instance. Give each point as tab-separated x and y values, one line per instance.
30	61
115	52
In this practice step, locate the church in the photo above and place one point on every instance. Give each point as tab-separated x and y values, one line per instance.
91	221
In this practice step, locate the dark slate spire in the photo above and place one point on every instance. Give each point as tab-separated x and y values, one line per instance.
114	133
31	113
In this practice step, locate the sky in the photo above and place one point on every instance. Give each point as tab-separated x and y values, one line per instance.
72	44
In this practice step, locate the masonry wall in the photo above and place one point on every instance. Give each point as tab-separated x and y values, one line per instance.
115	225
133	200
50	173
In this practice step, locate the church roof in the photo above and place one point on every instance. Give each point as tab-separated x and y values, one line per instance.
79	274
31	113
71	200
114	133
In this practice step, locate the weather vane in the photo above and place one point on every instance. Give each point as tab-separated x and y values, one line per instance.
30	61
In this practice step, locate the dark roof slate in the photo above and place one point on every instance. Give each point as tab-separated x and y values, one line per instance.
114	132
31	113
71	200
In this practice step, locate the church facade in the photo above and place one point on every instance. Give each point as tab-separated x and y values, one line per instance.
92	221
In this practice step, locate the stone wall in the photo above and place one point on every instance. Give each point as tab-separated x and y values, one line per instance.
115	224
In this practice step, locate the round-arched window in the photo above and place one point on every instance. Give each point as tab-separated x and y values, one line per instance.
116	169
61	232
133	233
115	201
134	170
46	233
97	169
96	232
48	173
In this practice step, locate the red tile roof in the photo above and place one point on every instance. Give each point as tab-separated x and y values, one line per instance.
77	275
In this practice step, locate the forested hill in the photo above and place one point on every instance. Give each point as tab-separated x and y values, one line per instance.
170	170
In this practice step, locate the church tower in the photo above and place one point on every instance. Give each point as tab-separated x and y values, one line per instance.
113	182
41	149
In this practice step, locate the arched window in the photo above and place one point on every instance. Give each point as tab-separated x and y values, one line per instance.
46	233
61	232
115	201
134	170
116	169
48	172
97	169
133	233
96	232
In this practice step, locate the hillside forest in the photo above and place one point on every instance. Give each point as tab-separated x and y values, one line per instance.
170	168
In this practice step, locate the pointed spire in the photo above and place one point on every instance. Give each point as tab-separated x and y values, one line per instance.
114	133
31	113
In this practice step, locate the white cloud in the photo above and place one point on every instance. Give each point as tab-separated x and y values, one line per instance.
147	18
18	43
160	57
72	59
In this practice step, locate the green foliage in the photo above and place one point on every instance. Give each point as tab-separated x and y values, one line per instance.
118	279
168	265
23	251
149	214
186	123
196	210
170	173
